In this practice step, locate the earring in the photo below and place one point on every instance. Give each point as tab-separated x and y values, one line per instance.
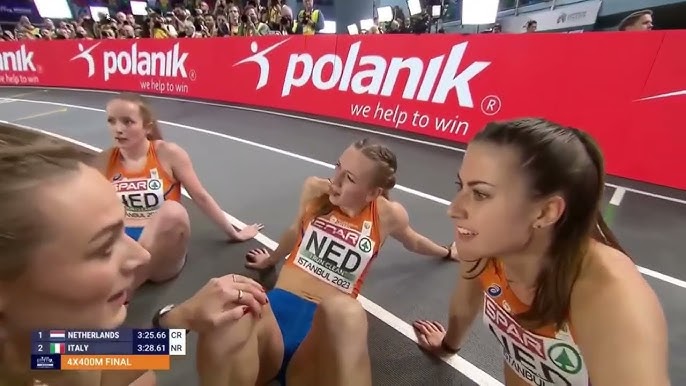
537	226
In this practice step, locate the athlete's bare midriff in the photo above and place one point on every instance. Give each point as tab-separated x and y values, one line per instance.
301	283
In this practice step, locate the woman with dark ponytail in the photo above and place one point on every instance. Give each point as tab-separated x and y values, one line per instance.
555	287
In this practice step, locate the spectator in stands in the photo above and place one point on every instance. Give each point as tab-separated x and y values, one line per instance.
204	8
120	17
638	21
234	21
48	25
81	33
286	26
274	15
531	26
158	28
220	6
107	33
46	34
393	27
310	20
8	36
126	32
27	29
211	26
223	29
132	20
251	24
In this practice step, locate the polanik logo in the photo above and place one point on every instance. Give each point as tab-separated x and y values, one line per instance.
137	61
494	290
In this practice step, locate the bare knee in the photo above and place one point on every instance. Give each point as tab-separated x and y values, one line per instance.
147	379
343	316
224	342
172	219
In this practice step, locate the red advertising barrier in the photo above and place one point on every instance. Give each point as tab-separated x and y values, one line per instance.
623	88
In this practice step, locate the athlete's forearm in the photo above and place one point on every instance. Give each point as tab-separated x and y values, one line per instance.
458	326
286	244
422	245
212	210
464	306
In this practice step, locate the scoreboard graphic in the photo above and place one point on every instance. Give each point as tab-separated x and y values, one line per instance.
121	349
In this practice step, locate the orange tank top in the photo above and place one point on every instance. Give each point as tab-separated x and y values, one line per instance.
338	249
542	357
142	192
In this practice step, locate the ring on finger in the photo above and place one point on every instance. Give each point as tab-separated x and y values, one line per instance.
240	295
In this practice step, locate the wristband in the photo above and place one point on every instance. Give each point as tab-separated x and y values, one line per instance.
445	347
160	314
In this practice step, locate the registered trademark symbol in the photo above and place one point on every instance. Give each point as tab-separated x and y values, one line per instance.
193	75
491	105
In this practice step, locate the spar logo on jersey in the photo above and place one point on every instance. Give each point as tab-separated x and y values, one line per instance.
566	358
430	80
135	60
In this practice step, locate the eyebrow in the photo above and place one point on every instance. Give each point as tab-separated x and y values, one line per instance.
108	229
475	182
346	170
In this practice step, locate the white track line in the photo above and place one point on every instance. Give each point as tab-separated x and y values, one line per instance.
648	272
617	196
324	122
330	123
474	373
258	110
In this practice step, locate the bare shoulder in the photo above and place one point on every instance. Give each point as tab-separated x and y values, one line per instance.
392	214
168	150
314	187
610	291
610	282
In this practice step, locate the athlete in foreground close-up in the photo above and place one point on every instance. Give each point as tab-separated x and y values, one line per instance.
554	287
67	263
148	174
314	331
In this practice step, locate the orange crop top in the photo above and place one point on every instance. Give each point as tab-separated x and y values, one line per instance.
338	249
144	191
542	357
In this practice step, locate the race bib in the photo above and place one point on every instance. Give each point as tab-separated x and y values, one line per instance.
334	254
539	360
141	197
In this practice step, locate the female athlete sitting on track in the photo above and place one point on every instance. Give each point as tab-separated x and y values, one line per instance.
66	263
314	332
148	174
558	292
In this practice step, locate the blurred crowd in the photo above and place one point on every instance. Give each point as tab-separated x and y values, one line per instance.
226	18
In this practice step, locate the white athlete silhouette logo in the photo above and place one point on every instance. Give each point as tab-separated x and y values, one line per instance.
86	54
259	57
665	95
